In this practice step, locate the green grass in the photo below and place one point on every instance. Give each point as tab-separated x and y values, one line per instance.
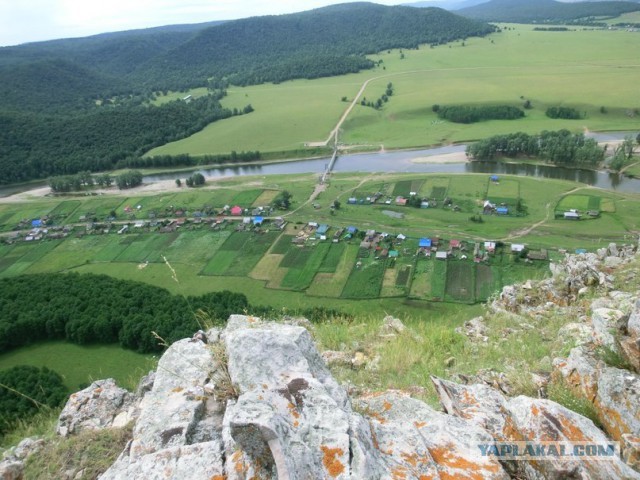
507	68
505	191
79	365
365	281
579	202
282	245
301	276
460	284
332	259
246	198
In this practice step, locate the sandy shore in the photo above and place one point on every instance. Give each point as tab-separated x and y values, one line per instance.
456	157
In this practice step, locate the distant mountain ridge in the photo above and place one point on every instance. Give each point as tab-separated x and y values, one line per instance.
537	11
323	42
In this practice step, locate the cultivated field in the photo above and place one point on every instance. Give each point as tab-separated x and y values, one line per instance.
518	64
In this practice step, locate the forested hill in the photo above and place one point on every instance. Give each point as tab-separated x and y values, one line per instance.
321	42
546	11
317	43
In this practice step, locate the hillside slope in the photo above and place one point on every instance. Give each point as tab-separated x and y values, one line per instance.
545	11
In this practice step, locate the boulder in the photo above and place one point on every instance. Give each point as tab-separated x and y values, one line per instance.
101	405
335	358
392	325
416	441
580	370
577	333
605	323
618	402
11	470
631	450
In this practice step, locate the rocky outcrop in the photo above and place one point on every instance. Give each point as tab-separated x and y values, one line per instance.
101	405
533	420
256	400
12	463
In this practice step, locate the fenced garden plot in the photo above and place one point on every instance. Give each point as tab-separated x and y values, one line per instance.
421	283
64	210
99	208
282	245
471	187
581	203
239	254
435	188
365	281
265	198
504	191
332	284
460	286
404	274
370	189
332	258
301	276
485	285
246	198
402	188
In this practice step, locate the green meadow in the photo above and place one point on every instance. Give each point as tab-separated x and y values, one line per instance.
586	69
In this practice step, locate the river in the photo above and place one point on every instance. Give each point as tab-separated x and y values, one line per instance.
405	161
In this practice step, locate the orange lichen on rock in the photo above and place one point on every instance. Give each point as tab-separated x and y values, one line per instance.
219	477
414	459
377	416
419	424
386	405
399	473
330	460
177	390
238	462
293	411
446	459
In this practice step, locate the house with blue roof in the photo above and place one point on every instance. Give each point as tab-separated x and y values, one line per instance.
502	211
258	220
424	243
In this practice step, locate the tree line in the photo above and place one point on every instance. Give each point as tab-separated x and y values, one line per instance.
89	308
559	147
473	114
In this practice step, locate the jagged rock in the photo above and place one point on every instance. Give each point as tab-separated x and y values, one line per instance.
335	358
415	441
27	447
605	322
630	349
577	333
613	262
359	360
580	370
11	470
391	325
618	402
534	420
631	450
474	329
146	384
633	325
101	405
171	419
613	249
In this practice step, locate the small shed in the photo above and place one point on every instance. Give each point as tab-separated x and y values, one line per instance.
454	243
424	243
517	248
494	178
352	201
36	223
258	220
424	204
490	246
502	211
246	220
441	255
393	254
322	229
401	237
236	210
571	216
401	201
352	230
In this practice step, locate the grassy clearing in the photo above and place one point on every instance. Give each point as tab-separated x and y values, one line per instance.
504	191
581	203
365	281
507	68
79	365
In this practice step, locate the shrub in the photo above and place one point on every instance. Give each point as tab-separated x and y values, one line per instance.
566	113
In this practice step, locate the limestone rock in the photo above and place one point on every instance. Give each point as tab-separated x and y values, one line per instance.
415	441
11	470
98	406
336	358
578	333
580	370
618	402
613	262
631	450
605	323
474	329
391	325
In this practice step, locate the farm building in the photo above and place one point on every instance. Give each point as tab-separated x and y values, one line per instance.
454	243
139	224
352	201
490	246
571	216
236	210
424	243
258	220
517	248
352	230
424	204
494	178
401	201
393	254
322	229
401	237
441	255
502	211
36	223
538	255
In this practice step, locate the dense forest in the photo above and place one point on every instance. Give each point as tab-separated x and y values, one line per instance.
560	147
99	309
37	387
39	146
546	11
75	105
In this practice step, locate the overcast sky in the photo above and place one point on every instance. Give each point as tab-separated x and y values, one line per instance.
33	20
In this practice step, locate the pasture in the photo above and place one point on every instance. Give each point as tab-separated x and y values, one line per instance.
507	68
